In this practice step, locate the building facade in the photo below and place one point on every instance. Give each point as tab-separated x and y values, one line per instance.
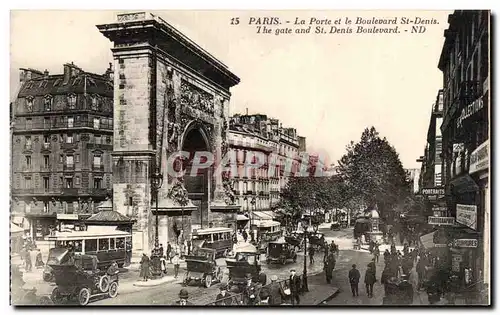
465	63
414	176
62	134
251	135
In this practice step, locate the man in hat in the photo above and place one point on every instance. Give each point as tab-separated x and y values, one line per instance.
176	261
295	286
405	291
223	297
183	298
354	276
250	291
275	291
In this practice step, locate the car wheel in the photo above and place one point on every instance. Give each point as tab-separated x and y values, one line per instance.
104	283
83	296
113	290
208	281
55	296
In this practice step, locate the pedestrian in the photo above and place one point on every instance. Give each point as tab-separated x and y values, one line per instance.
354	277
294	286
39	260
176	262
223	298
169	250
370	279
384	278
405	291
250	291
376	252
328	267
144	267
245	235
183	298
311	254
406	249
387	256
372	265
27	260
275	291
420	272
264	296
161	251
189	244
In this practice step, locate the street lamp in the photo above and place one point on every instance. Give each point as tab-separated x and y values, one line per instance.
157	181
305	226
252	236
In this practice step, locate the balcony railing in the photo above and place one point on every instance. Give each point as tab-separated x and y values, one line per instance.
61	125
69	145
69	167
98	168
97	192
27	168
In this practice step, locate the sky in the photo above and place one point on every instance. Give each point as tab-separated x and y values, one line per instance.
329	87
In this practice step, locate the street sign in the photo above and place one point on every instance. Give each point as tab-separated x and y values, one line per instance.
432	191
441	220
66	216
469	243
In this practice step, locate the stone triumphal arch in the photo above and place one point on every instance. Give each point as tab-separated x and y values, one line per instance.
169	95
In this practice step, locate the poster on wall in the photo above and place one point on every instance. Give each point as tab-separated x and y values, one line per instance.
467	215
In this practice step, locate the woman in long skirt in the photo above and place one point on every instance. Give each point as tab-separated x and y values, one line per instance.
144	267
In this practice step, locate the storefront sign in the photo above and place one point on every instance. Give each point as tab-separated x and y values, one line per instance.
131	16
468	243
470	110
62	216
467	215
432	191
479	158
456	260
441	220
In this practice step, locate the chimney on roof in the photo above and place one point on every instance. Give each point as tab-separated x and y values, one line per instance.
28	74
46	74
109	72
70	71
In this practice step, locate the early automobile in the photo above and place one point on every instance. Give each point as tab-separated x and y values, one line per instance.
78	278
202	267
280	252
295	239
317	240
246	261
335	226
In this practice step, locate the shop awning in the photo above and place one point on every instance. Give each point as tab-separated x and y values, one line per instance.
14	229
262	215
241	217
427	240
463	184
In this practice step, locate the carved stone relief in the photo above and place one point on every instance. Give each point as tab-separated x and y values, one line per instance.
197	98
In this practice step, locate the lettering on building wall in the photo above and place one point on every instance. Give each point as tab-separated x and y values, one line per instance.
131	16
432	191
468	243
479	158
441	220
470	110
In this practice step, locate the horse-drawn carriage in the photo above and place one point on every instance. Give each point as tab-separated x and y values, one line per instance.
246	261
77	277
202	267
317	240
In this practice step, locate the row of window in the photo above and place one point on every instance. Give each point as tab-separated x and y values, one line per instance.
70	122
68	182
67	138
48	100
68	160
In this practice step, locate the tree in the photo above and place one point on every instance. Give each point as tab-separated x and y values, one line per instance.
306	193
374	173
